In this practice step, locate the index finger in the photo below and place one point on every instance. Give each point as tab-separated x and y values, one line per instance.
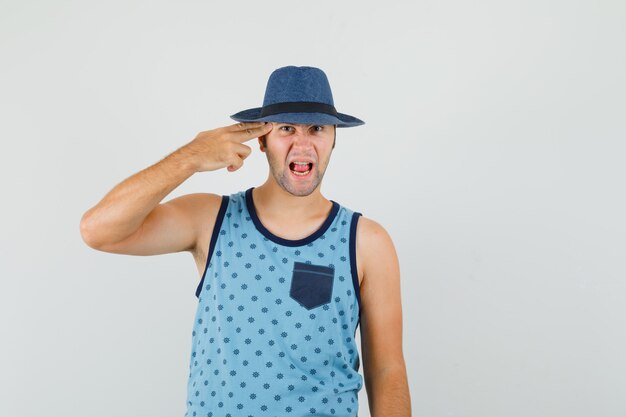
247	131
243	126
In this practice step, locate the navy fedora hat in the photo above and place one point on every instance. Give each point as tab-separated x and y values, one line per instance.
298	95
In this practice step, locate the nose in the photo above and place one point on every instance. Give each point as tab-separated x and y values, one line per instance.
302	139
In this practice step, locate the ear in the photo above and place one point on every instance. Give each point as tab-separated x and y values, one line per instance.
261	147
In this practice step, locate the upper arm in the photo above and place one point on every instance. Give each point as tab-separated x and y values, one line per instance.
173	226
381	308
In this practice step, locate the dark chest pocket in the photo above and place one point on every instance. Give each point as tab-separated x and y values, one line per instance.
311	285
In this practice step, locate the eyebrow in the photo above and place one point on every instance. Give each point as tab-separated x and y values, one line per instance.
294	124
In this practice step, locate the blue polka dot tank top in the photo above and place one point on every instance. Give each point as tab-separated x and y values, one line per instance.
274	331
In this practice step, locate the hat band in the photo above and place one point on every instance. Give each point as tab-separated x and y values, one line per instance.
298	107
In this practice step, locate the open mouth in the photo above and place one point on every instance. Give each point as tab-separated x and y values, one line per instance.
299	169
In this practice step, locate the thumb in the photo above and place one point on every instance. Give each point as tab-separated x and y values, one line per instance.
236	165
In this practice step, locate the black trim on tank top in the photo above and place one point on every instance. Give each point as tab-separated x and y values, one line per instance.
355	274
288	242
216	230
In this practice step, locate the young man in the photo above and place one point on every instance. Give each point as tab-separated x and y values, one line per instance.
286	275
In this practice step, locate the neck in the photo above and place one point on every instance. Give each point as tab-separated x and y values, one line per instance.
273	200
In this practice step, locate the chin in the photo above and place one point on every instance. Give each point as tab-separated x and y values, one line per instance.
299	190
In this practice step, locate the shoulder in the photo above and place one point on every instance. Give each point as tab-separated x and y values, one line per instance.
199	204
202	210
374	246
207	206
372	235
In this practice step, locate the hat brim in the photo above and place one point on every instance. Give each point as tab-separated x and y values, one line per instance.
254	115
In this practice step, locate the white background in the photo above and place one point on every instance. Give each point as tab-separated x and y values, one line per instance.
493	154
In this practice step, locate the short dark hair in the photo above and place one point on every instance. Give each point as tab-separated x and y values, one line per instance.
334	139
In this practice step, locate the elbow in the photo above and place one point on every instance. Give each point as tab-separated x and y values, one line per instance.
87	231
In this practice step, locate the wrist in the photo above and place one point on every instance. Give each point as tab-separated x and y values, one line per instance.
184	161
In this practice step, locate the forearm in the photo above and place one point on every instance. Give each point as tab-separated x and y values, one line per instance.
388	394
123	209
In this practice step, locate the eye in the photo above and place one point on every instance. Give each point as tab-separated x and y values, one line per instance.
285	127
320	128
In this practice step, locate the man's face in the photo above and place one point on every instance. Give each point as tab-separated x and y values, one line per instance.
288	143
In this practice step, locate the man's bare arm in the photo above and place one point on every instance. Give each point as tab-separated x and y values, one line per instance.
384	368
130	220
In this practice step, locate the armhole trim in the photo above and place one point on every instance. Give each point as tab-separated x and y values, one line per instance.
216	230
352	249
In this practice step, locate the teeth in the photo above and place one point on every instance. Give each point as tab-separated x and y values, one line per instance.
301	173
